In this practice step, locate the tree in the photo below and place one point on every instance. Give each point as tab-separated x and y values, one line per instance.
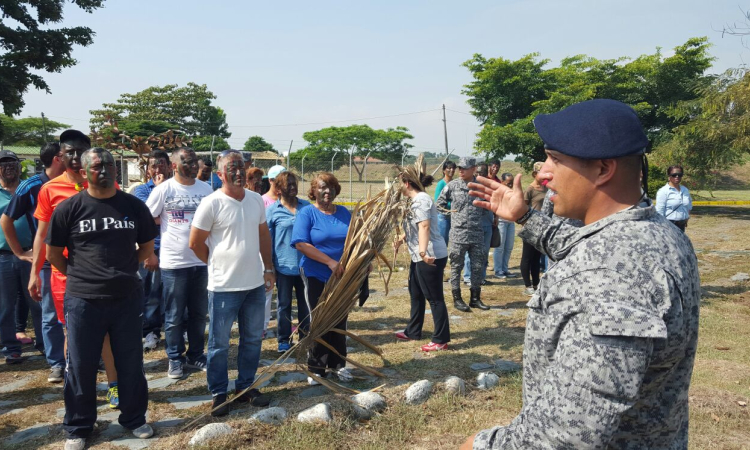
506	95
34	46
387	145
189	108
258	144
203	144
29	131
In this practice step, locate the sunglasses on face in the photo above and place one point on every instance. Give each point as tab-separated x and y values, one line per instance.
676	175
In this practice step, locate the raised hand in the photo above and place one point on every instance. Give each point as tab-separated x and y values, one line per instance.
506	203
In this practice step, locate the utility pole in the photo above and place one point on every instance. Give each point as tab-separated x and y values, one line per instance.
44	127
445	130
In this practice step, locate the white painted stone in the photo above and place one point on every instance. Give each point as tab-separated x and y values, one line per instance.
318	413
209	432
273	416
740	276
487	380
418	392
455	385
366	404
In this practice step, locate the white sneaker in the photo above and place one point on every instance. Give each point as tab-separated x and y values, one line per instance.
144	431
344	375
75	444
529	291
151	341
312	382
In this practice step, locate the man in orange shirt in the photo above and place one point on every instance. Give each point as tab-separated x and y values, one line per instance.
72	145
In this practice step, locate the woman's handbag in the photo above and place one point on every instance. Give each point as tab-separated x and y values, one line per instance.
495	240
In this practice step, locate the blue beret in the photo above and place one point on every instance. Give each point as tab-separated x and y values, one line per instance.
594	129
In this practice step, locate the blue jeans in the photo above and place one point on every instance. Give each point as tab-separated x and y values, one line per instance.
248	308
502	253
14	279
444	225
487	228
52	329
285	285
185	288
153	303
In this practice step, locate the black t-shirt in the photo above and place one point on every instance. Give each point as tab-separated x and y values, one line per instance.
100	235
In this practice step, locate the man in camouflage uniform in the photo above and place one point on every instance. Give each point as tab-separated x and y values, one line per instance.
466	234
612	331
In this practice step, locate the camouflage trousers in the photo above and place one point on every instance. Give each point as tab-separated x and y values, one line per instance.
478	257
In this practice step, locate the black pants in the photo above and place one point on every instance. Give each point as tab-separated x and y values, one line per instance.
320	357
88	321
530	259
426	282
681	224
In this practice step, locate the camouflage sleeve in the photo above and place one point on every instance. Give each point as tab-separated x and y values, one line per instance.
443	199
593	375
552	236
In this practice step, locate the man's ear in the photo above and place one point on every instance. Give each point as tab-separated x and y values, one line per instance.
605	170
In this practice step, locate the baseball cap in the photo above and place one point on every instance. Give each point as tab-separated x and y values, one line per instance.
7	154
274	171
466	162
73	136
594	129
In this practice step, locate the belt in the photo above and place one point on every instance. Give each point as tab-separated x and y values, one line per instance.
10	252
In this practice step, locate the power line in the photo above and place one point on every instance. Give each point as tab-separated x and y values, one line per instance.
460	112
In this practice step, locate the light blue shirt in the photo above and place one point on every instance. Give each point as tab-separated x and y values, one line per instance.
674	204
286	259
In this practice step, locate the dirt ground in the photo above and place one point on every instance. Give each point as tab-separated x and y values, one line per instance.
720	391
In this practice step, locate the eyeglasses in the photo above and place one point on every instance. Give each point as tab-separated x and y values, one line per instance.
676	175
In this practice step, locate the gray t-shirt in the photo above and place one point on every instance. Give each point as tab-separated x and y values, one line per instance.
423	208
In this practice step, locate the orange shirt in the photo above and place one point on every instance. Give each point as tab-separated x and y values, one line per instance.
52	194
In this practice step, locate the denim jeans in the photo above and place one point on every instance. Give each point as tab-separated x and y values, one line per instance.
185	288
487	228
444	225
87	322
247	307
153	300
52	329
14	278
502	253
286	284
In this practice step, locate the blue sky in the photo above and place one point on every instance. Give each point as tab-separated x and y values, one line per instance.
278	63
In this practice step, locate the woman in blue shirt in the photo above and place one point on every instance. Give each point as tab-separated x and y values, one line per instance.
319	234
281	216
673	200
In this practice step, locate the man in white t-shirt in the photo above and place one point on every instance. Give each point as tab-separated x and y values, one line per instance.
230	234
184	276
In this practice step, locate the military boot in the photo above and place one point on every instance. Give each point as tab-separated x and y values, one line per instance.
475	301
458	302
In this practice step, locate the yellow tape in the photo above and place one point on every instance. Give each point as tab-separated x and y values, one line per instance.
722	203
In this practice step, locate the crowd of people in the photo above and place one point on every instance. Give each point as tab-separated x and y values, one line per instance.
612	326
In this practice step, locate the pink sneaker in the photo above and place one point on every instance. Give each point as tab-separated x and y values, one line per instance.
401	336
432	346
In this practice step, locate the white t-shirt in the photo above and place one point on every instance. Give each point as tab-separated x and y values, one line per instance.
234	262
175	205
423	208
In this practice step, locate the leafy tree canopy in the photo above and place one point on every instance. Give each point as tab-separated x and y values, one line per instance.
29	131
506	95
203	144
258	144
188	107
33	45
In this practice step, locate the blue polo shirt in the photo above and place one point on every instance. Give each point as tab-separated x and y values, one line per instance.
23	203
25	238
326	233
142	191
286	259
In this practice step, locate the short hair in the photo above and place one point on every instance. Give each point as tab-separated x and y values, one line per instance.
483	168
48	152
207	161
176	152
449	164
253	172
159	154
221	161
505	176
283	178
326	177
86	156
676	166
495	162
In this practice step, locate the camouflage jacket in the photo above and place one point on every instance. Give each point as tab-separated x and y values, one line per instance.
611	337
466	219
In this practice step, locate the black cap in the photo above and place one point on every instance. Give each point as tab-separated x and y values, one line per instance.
74	136
7	154
594	129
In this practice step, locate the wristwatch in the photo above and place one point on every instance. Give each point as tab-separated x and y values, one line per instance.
268	271
422	254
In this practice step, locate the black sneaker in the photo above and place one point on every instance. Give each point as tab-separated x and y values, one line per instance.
218	400
199	363
254	397
14	358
